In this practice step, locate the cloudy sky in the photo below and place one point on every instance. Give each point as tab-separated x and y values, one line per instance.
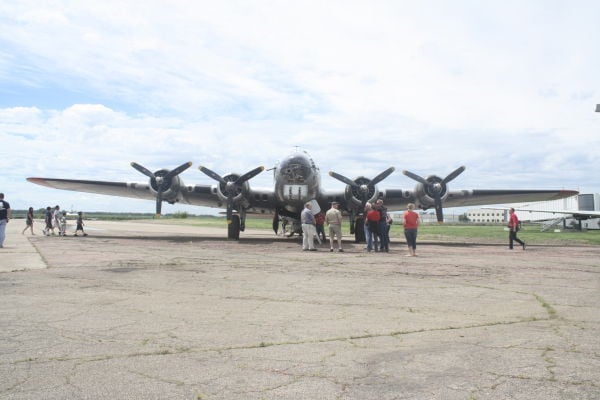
506	88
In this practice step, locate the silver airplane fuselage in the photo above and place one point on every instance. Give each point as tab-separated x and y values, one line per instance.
297	181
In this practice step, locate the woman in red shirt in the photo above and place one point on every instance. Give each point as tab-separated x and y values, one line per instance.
411	223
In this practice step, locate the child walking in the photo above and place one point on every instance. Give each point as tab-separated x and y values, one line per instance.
29	221
79	224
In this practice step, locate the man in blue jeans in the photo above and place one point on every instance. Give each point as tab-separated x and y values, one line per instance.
383	226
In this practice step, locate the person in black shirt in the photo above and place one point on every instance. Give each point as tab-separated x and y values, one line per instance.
5	215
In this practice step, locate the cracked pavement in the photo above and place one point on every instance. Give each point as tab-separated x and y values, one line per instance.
148	311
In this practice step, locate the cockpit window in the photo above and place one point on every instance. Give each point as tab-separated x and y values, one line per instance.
295	169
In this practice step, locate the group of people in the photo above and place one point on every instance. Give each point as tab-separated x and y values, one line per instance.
377	224
54	219
313	226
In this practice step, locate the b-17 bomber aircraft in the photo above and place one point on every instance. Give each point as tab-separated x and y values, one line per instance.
297	180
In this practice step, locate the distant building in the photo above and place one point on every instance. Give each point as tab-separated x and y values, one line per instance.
545	211
581	202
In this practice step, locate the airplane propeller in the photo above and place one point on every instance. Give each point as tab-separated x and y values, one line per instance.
162	180
363	186
435	187
231	187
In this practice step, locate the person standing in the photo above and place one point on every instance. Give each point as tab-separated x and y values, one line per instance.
5	216
319	221
29	221
368	237
383	226
333	218
373	217
513	228
307	219
411	224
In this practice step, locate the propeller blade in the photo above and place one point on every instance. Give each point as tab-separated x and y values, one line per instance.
212	174
382	176
343	179
439	212
178	170
142	169
415	177
249	175
454	174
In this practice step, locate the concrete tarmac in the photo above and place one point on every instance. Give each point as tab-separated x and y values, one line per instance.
158	311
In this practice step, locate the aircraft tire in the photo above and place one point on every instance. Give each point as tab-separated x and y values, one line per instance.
233	229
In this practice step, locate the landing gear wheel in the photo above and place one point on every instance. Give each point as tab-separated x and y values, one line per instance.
359	230
289	230
233	229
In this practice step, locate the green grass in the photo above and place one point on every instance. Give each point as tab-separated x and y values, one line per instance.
434	232
496	233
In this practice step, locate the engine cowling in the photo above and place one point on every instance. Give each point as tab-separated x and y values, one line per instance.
361	189
433	190
360	193
164	183
230	188
171	186
427	193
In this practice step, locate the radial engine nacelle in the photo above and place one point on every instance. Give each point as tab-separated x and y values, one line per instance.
228	190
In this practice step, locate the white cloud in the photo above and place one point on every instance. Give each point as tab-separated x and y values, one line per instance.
507	89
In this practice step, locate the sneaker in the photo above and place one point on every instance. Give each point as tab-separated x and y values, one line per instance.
341	250
312	249
331	250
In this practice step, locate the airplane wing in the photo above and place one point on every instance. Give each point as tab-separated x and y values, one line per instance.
197	195
582	214
397	199
123	189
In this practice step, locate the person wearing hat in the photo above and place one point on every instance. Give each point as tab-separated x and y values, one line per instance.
333	218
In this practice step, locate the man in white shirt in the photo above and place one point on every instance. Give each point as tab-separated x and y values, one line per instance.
309	231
